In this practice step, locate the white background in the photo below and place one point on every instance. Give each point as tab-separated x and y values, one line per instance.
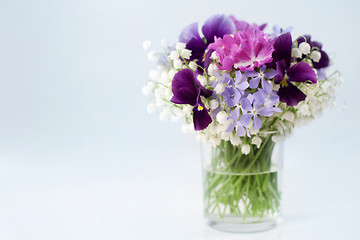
80	157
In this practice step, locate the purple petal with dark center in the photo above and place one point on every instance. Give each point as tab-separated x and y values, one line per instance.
217	25
324	61
201	118
291	95
257	122
184	88
301	72
245	119
283	45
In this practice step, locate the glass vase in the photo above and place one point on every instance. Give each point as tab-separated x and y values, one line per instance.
242	192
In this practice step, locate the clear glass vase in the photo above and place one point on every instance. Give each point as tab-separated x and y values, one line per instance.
242	192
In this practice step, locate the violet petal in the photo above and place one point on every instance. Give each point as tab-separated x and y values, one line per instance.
301	72
291	95
283	45
245	119
184	88
201	118
217	25
257	122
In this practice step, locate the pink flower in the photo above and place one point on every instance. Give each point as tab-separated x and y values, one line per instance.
245	50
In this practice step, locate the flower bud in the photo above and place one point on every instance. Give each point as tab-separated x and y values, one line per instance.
295	52
315	56
304	48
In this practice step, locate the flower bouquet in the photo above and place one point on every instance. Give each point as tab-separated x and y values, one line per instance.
241	91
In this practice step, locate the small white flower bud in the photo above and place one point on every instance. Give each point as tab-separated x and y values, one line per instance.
214	56
193	66
289	116
202	80
315	56
304	48
214	104
245	149
219	89
256	141
186	53
295	52
174	55
178	64
235	139
221	117
180	46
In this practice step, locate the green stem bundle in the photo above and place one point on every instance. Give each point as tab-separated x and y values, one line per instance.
241	185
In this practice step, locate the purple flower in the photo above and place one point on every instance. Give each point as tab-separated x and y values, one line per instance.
252	108
240	128
245	50
235	89
300	72
324	60
215	26
267	99
187	90
261	75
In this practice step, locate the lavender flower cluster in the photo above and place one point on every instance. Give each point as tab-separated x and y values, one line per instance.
237	83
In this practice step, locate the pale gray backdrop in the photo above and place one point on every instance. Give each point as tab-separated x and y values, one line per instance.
80	157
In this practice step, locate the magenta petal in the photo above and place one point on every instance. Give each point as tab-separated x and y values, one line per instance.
184	88
291	95
301	72
217	25
201	118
